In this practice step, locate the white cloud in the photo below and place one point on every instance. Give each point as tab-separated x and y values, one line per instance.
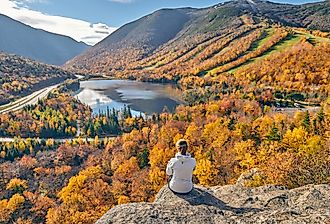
33	1
77	29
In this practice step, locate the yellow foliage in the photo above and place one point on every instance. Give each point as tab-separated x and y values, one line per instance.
85	199
96	141
212	109
2	154
313	145
295	138
191	132
17	185
264	124
21	146
177	137
4	212
216	133
91	172
72	192
157	178
256	181
159	157
245	154
123	200
50	142
15	201
128	167
130	121
205	172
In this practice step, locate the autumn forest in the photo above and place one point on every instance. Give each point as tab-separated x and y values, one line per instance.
256	95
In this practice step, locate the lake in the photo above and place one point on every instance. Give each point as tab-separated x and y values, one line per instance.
140	96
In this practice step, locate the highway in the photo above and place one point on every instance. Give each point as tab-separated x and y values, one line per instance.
27	100
31	100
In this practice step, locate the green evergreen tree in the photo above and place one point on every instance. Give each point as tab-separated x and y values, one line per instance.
231	124
306	121
129	112
274	134
320	115
143	158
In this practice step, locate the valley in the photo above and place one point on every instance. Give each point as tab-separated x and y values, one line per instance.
246	83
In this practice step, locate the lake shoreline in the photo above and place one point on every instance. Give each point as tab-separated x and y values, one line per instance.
141	97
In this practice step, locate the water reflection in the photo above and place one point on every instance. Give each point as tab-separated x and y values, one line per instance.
141	97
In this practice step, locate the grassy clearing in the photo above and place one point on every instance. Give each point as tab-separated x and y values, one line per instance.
291	40
268	33
282	45
254	45
313	39
285	44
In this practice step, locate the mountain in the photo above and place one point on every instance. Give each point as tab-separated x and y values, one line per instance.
18	38
154	46
143	35
311	16
229	204
20	76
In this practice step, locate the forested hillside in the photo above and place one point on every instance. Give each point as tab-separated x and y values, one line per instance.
228	33
20	76
255	79
77	182
245	46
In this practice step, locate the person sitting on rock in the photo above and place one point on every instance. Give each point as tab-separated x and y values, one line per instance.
181	168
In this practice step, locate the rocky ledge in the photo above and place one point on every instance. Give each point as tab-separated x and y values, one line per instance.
230	204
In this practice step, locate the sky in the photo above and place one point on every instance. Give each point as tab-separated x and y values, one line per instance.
92	20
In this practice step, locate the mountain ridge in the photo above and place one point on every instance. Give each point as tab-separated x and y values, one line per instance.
120	56
37	44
